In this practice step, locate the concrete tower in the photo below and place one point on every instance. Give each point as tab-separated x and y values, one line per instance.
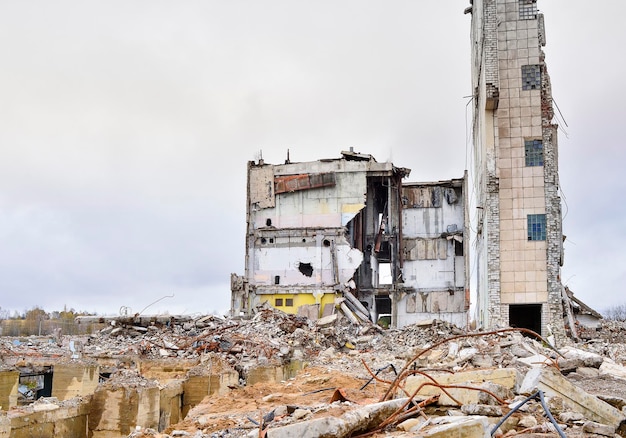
519	244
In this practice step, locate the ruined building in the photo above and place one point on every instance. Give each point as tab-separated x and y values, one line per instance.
519	248
350	228
319	229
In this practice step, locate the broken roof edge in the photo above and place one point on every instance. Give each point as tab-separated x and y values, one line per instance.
583	307
454	182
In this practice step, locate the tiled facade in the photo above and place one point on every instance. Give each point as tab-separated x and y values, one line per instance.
517	265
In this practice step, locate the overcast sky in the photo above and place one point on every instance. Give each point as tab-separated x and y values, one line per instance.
125	128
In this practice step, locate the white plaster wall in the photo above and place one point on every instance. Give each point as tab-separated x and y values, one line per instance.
316	208
269	262
431	222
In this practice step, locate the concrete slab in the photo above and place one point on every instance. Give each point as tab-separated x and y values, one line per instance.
507	377
553	384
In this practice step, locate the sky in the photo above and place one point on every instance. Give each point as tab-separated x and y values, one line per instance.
126	126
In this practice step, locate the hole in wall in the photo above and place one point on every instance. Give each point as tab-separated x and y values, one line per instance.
306	269
268	222
263	240
326	243
277	279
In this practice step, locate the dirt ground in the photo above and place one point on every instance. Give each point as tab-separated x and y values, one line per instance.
311	390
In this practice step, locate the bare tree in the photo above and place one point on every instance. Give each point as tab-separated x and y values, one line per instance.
616	313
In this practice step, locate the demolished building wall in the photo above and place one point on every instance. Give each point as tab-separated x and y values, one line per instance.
319	230
434	253
519	237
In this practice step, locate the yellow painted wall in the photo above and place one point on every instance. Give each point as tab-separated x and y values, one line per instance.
302	299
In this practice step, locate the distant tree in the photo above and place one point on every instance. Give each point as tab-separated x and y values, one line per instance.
4	314
35	314
616	313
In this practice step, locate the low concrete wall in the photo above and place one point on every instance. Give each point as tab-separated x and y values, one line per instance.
47	420
116	411
171	404
196	388
9	381
70	380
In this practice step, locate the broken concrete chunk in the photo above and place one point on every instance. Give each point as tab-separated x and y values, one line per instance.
466	427
500	391
588	372
570	417
484	410
358	420
527	421
610	368
553	384
598	429
586	358
506	377
327	320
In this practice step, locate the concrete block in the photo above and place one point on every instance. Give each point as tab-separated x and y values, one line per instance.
74	379
610	368
506	377
358	420
554	384
598	429
9	381
458	427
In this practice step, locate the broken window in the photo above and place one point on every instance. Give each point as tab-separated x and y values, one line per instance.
536	227
278	302
531	77
534	152
527	9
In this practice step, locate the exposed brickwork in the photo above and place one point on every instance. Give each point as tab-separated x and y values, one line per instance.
492	228
554	232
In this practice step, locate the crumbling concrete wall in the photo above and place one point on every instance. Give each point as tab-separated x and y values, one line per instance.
434	251
171	404
196	387
116	410
47	420
74	379
9	382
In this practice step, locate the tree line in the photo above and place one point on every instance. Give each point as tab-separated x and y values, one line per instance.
38	322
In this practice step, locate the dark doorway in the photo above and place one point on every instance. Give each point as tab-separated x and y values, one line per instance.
383	304
525	316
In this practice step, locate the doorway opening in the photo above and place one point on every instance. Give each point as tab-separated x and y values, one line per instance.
525	316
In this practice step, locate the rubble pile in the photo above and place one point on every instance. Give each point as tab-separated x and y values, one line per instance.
430	379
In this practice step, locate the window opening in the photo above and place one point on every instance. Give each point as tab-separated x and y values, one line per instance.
384	273
278	302
458	248
289	302
527	9
536	227
534	152
531	77
268	222
277	279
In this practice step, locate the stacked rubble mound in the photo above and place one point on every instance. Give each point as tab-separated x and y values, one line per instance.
430	379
